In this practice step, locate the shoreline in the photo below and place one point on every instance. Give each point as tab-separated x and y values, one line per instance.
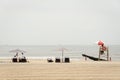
44	60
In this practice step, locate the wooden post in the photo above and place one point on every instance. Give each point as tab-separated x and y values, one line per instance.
85	58
99	54
107	54
110	59
62	54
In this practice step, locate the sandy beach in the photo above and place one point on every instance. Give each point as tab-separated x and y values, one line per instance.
75	70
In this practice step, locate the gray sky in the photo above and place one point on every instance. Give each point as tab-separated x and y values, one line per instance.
53	22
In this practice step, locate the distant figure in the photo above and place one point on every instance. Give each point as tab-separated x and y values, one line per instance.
102	49
23	56
16	55
22	53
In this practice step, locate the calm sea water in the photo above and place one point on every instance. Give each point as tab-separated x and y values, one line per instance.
72	51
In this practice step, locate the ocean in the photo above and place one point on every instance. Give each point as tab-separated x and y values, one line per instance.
50	51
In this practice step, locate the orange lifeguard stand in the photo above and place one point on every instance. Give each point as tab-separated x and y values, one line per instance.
104	53
103	50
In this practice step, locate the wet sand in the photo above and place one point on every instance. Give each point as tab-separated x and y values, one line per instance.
75	70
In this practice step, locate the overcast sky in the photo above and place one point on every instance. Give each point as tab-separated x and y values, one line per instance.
53	22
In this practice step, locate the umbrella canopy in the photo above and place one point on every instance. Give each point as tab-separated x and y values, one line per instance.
17	51
100	42
62	49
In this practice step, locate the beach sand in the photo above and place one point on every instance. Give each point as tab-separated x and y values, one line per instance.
75	70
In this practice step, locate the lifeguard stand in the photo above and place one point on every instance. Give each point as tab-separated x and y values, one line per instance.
104	53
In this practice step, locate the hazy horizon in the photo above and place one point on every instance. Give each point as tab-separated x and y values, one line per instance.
59	22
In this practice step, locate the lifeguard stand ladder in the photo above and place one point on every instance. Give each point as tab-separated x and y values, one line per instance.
106	52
